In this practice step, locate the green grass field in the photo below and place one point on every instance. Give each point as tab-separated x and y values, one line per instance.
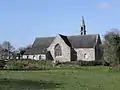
86	78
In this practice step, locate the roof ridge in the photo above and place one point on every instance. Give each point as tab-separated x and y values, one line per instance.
83	35
45	37
65	35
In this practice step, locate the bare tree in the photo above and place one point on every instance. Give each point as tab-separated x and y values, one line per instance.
21	51
6	45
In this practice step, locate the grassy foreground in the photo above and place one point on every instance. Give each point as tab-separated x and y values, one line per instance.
86	78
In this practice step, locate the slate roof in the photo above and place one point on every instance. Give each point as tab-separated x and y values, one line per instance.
43	41
40	45
83	41
35	50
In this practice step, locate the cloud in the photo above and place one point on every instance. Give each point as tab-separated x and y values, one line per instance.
105	5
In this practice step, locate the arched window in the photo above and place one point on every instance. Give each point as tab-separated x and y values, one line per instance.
85	56
57	50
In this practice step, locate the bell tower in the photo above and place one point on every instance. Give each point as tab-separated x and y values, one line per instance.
83	27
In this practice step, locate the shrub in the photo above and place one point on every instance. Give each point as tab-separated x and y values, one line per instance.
73	64
91	63
28	65
2	64
77	64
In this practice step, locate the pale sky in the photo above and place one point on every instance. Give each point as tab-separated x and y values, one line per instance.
23	20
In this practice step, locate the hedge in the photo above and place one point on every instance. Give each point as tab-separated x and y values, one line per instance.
47	64
77	64
28	65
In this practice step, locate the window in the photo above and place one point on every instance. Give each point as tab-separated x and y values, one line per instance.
33	56
40	57
85	56
58	51
27	56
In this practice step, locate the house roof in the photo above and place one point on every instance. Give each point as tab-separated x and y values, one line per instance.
40	45
43	42
83	41
35	50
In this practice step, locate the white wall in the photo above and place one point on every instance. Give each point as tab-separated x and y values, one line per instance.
43	56
24	56
35	57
